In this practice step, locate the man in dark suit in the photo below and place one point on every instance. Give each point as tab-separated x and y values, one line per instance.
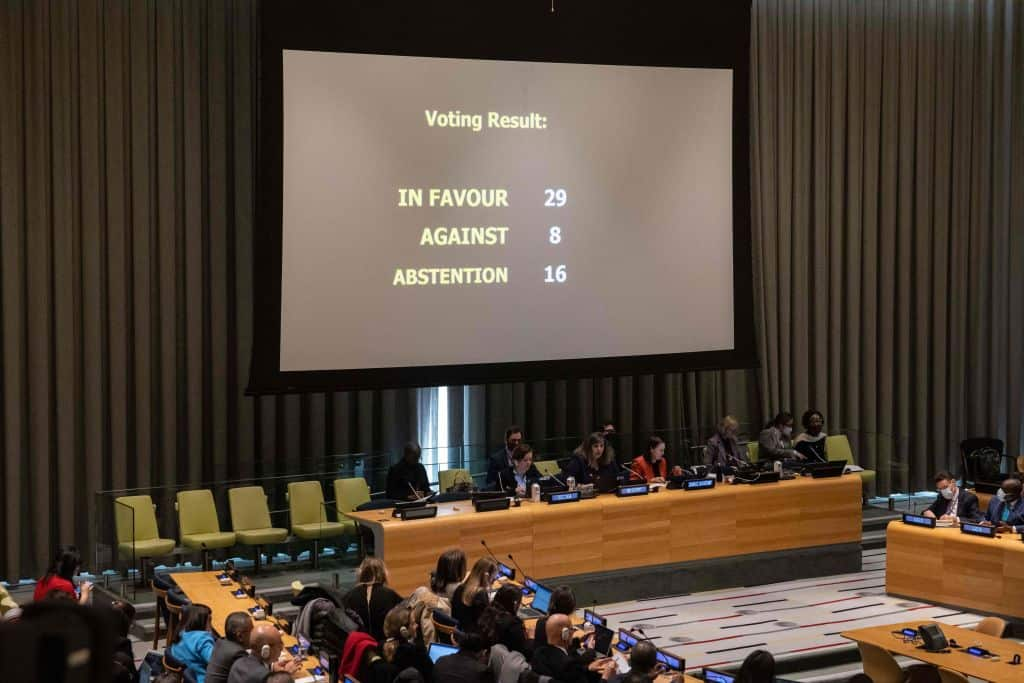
953	503
1006	510
407	478
501	460
554	658
266	646
468	665
237	629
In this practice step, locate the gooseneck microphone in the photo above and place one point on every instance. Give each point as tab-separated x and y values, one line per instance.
632	471
521	572
484	544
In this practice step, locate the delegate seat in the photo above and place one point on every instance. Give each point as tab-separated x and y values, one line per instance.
198	524
548	467
349	495
136	531
309	516
838	448
446	479
250	520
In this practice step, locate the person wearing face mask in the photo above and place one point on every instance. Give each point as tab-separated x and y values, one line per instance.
774	440
723	452
953	503
1006	509
811	442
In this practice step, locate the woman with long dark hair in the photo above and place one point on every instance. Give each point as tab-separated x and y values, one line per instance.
590	460
193	643
371	598
60	576
446	577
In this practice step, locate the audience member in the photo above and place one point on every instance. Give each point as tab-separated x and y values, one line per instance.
758	667
470	599
266	647
193	642
371	598
278	677
401	648
407	478
811	442
501	459
361	658
559	659
233	646
124	615
60	577
449	573
500	622
7	603
723	452
563	601
468	664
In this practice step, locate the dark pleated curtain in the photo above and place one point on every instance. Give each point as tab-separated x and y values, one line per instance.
887	204
888	209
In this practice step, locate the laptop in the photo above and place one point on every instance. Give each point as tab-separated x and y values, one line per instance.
539	606
438	650
714	676
823	470
603	639
606	483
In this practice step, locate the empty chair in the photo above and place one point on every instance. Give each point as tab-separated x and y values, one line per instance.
198	524
136	530
250	520
879	664
444	627
950	676
379	504
446	479
349	494
993	626
753	450
547	467
309	516
838	447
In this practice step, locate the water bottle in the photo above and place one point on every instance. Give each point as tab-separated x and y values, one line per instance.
535	493
571	483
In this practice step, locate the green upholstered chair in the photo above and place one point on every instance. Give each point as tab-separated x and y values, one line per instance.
198	523
349	494
753	450
547	467
449	478
309	516
838	448
136	530
250	520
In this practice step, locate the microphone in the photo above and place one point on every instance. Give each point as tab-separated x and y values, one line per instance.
415	493
632	471
501	484
641	632
521	572
484	544
559	480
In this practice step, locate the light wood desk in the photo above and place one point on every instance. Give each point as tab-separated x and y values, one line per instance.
948	567
957	660
609	533
205	589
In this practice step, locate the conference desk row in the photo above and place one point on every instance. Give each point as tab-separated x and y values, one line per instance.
610	533
947	567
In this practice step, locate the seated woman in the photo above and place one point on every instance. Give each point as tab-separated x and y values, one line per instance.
193	643
811	442
470	599
446	577
401	648
371	598
723	453
521	474
774	440
590	461
652	465
60	577
500	623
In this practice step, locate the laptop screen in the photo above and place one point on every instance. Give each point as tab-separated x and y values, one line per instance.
438	650
713	676
541	599
669	660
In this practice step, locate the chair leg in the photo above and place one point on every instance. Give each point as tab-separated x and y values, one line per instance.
259	556
156	623
316	554
206	560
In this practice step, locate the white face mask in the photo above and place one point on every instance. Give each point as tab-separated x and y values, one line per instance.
947	493
786	431
1001	494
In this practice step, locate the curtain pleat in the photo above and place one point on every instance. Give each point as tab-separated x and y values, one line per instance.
888	229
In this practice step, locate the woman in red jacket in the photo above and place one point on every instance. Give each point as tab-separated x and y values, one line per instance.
651	466
60	577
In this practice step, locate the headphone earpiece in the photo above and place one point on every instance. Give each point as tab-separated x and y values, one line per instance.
404	632
265	652
566	634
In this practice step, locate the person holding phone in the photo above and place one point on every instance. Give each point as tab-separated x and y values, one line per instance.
564	662
61	574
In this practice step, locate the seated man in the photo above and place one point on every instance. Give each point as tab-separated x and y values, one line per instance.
555	659
1006	510
407	478
953	503
237	629
643	665
266	647
501	460
468	665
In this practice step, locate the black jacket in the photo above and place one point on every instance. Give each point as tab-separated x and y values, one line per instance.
578	467
966	506
462	668
507	480
496	462
404	477
382	599
224	654
549	660
469	615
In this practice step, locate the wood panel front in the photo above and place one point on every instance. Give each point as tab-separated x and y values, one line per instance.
609	533
952	568
986	669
